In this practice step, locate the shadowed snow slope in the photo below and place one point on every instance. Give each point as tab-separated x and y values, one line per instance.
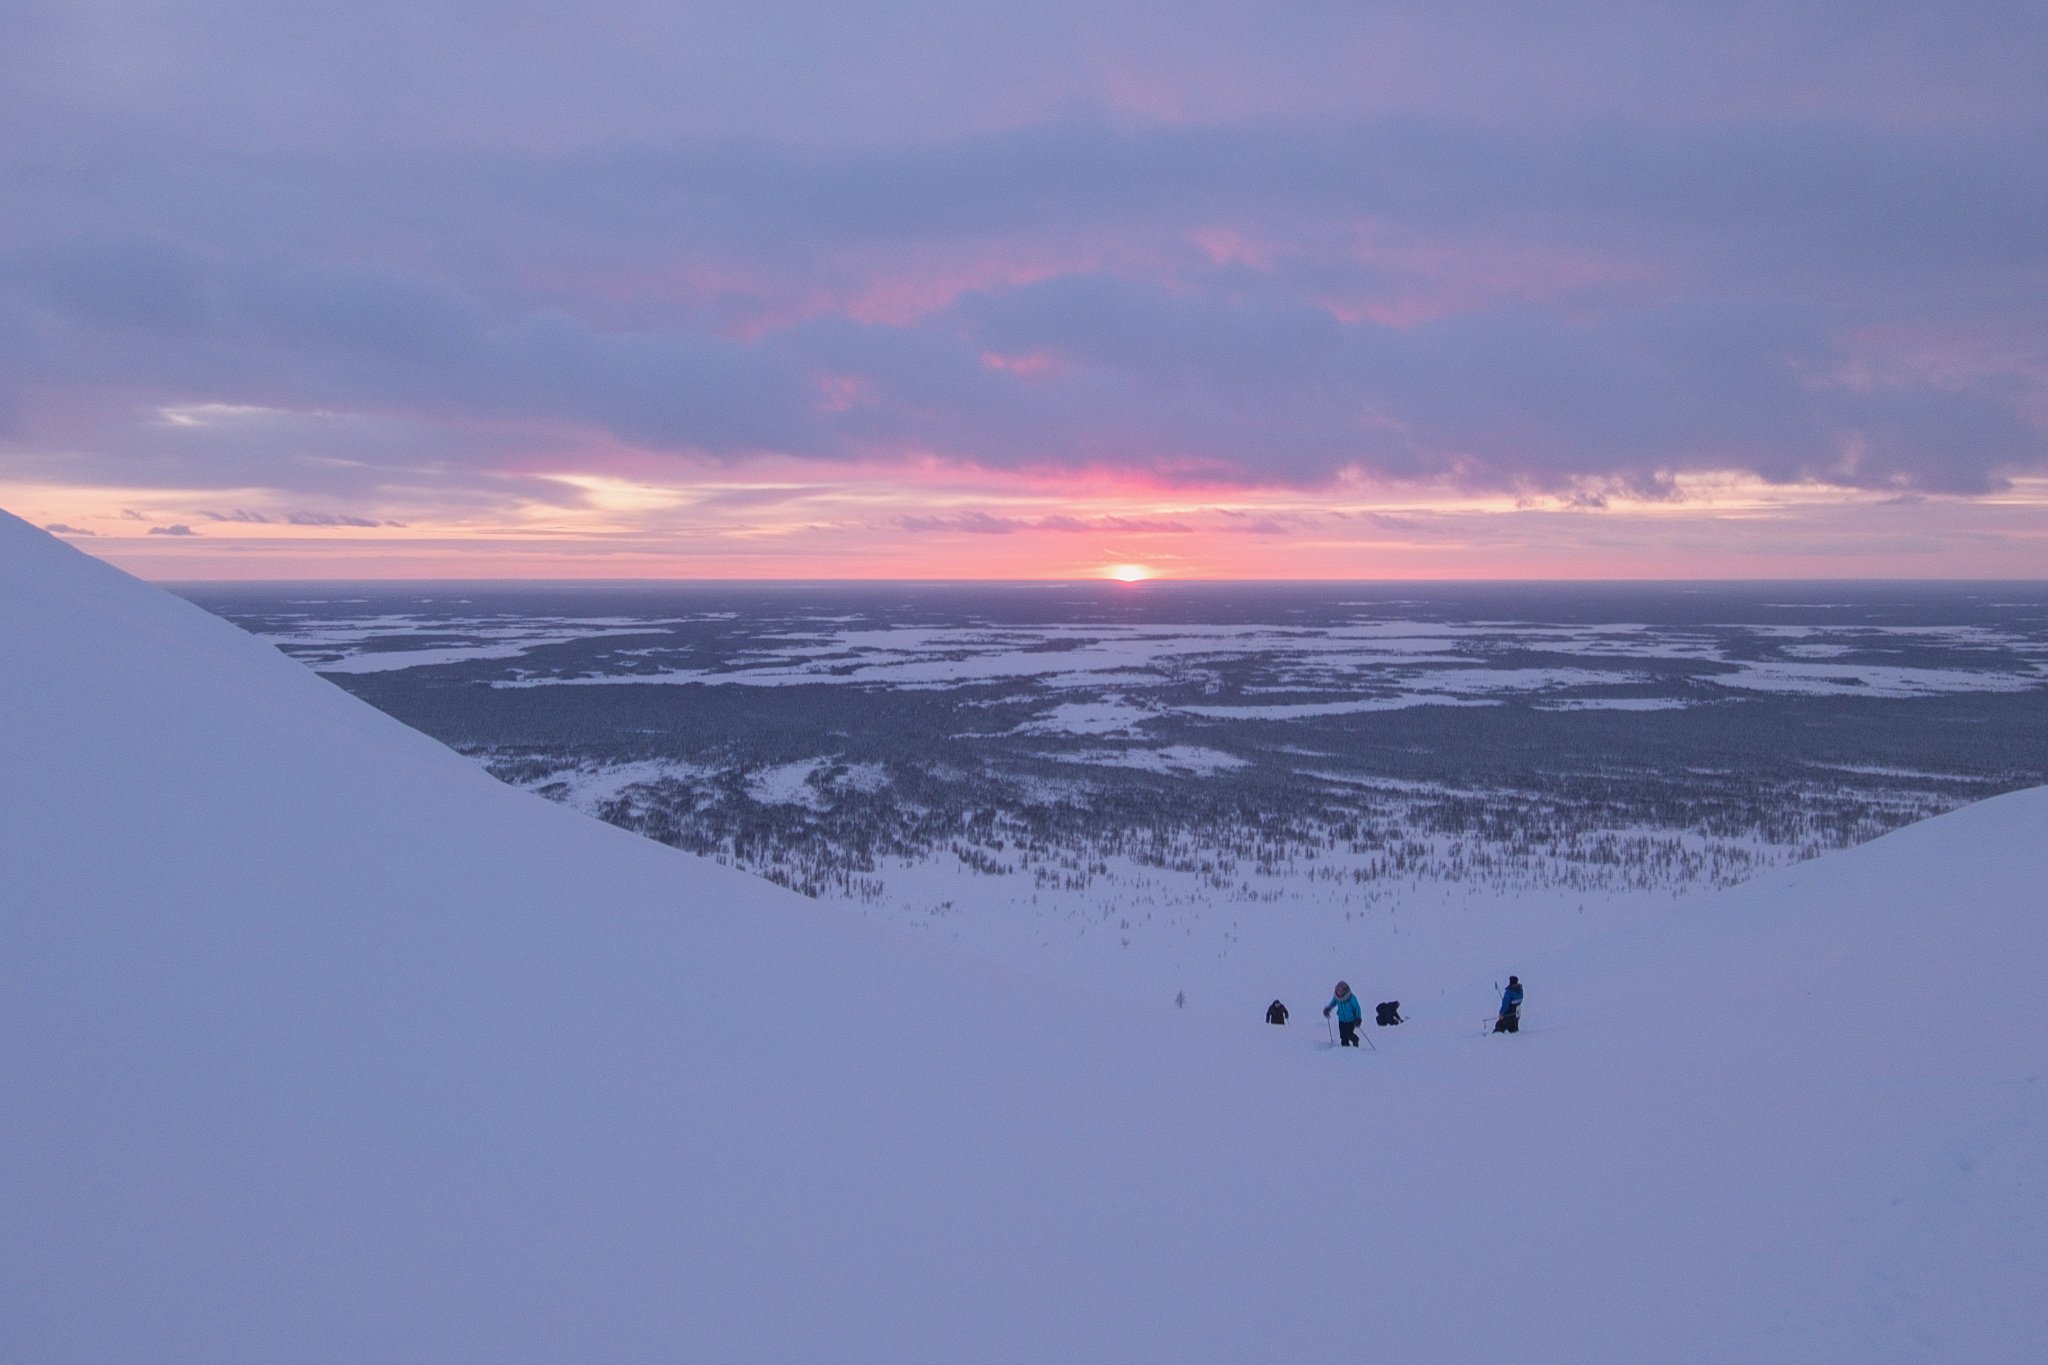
319	1045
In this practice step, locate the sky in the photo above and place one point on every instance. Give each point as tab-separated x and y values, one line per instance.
789	289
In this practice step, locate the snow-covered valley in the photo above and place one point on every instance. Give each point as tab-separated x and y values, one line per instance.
1216	792
322	1045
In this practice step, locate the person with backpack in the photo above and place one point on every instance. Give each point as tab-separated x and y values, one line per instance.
1349	1014
1276	1013
1510	1020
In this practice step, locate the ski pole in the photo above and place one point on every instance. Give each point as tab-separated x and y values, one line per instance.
1330	1029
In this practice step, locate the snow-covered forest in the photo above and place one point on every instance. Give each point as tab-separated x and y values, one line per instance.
1196	787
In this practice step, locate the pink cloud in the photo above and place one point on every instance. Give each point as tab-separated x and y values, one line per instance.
1028	365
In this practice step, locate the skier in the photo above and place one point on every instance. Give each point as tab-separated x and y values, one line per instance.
1276	1013
1510	1020
1388	1014
1349	1013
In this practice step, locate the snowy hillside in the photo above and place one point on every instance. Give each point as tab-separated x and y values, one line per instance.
320	1045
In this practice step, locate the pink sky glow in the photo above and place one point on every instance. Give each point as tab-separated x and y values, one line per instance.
785	526
783	289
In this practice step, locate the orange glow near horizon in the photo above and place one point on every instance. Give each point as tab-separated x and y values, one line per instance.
766	520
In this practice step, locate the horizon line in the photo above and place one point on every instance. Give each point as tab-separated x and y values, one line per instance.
1087	581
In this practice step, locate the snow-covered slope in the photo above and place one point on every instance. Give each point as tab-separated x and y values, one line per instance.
319	1045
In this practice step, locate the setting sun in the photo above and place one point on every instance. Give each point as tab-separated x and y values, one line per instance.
1128	573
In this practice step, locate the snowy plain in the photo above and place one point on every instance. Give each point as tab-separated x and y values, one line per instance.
1175	790
321	1045
1404	662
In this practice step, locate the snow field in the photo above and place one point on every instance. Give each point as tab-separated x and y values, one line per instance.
320	1045
1381	665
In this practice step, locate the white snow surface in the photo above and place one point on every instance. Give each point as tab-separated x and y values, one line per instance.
785	783
1110	716
1393	664
588	789
320	1045
1190	759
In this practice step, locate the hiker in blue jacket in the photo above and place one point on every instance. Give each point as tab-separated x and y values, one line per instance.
1349	1012
1510	1020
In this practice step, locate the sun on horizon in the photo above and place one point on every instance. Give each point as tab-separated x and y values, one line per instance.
1128	573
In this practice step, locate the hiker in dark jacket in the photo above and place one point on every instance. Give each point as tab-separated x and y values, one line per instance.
1349	1013
1388	1014
1510	1020
1276	1013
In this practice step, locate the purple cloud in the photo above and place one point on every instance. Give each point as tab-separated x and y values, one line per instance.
1622	246
984	523
244	516
335	519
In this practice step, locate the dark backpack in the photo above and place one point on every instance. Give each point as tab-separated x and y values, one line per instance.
1389	1013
